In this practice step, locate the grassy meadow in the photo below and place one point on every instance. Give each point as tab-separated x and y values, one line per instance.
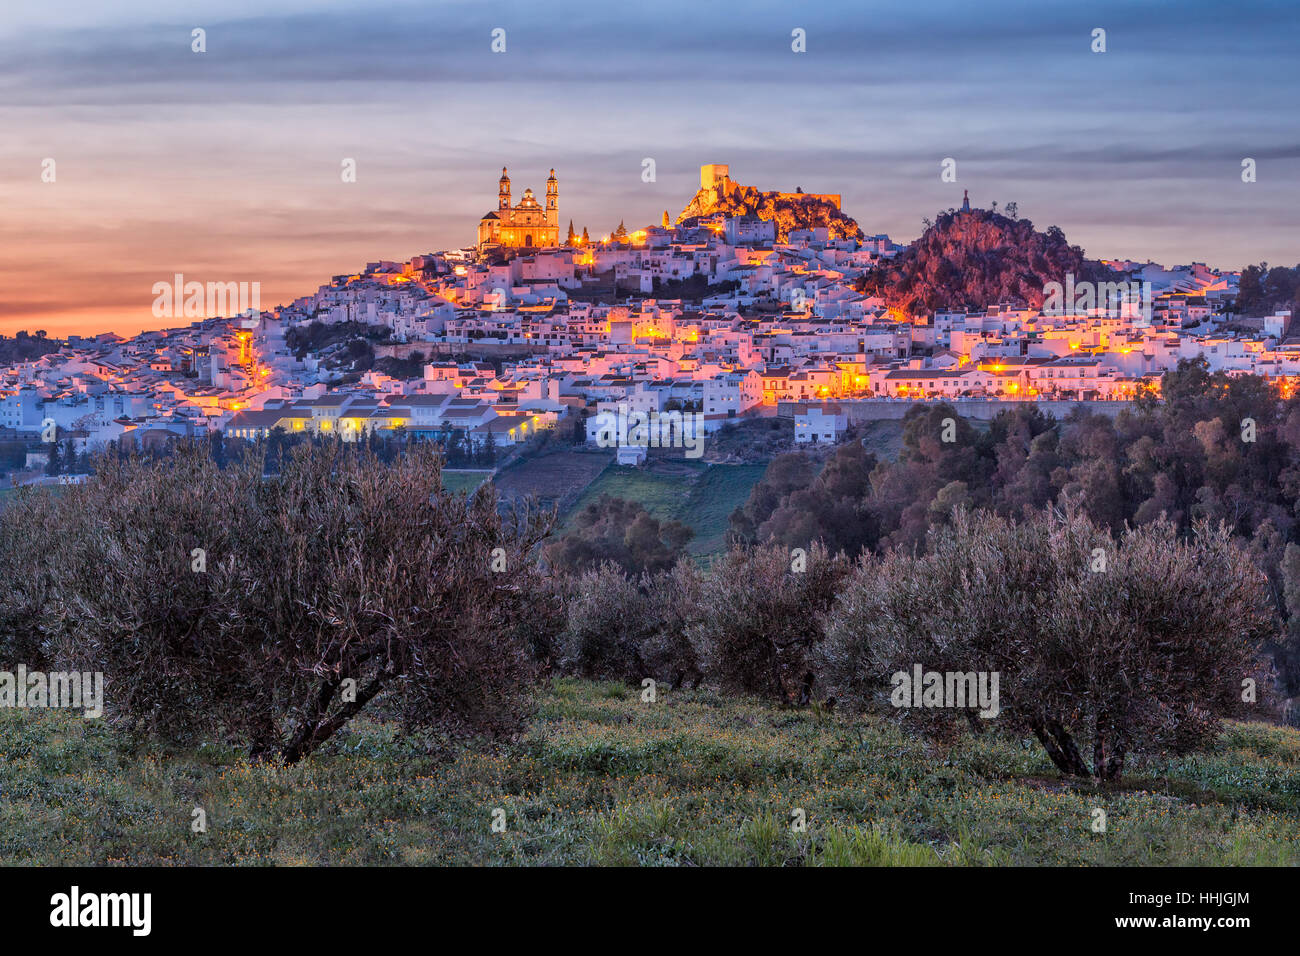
603	778
464	480
699	495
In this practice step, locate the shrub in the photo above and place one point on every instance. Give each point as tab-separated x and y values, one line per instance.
1118	646
540	623
609	621
675	601
623	628
759	619
36	530
621	532
316	591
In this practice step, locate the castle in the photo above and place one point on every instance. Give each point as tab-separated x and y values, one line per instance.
716	177
527	225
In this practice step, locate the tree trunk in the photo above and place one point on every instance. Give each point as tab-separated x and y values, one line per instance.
314	732
1099	747
805	693
1061	748
1115	762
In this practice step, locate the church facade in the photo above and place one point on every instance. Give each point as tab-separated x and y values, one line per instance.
528	225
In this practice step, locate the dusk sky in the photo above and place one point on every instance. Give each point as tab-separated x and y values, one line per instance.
225	165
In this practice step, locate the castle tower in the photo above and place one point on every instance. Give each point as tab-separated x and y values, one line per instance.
713	173
965	200
503	190
553	201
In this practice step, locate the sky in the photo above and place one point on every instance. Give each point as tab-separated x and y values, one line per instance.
225	166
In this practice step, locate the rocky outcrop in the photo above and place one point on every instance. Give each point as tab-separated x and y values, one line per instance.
787	210
971	259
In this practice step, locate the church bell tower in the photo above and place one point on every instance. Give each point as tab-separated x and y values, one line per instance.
553	201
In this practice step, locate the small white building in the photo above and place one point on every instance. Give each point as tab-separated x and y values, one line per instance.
815	423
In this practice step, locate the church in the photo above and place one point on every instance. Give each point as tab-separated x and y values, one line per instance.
525	226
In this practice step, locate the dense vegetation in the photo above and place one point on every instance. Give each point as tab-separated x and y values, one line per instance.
612	530
453	444
339	343
269	612
1262	291
404	368
1136	644
1217	448
975	259
1103	646
691	288
64	459
25	347
614	632
700	496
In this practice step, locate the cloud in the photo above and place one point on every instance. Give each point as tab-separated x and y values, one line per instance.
227	161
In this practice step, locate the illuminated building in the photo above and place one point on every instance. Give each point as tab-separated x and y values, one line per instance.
527	225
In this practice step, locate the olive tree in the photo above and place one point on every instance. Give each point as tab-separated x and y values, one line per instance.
1103	646
274	609
759	618
632	628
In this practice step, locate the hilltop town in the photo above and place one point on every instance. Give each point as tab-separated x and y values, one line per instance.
725	314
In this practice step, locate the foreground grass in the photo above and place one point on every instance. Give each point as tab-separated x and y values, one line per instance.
602	778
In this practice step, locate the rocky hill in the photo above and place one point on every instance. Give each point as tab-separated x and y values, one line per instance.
976	258
788	210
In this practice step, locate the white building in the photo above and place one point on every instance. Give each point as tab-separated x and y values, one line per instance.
816	424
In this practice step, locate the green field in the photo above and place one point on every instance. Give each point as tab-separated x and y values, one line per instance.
603	778
699	495
466	481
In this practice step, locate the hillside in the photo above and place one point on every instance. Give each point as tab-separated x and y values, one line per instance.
788	210
24	347
601	778
977	258
555	478
701	496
